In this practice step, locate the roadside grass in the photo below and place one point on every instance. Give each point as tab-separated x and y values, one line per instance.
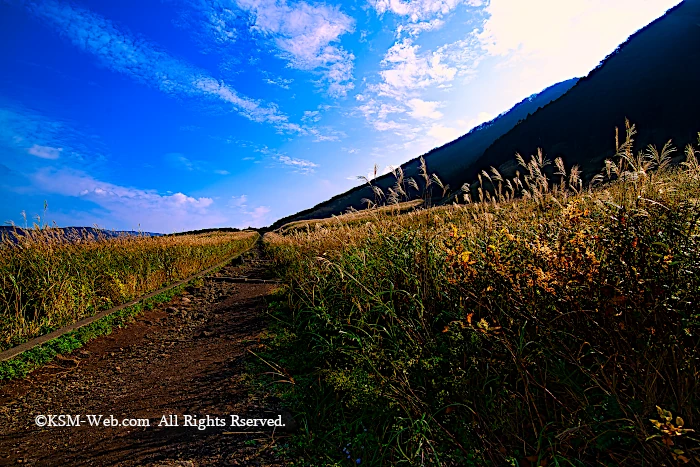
48	280
26	362
540	323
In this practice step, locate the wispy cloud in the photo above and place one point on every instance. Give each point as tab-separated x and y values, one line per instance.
424	109
180	161
305	35
146	62
376	113
248	217
394	104
24	131
301	165
311	116
45	152
213	27
324	134
283	83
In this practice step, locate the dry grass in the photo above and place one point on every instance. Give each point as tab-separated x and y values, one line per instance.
351	217
540	324
48	281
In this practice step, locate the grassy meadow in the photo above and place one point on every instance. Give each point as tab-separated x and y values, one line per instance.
49	280
538	322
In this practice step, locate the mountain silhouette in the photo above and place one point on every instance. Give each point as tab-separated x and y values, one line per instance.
651	79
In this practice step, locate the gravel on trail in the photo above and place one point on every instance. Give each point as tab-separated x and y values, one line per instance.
185	357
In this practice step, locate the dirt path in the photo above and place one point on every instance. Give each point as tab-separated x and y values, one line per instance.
181	358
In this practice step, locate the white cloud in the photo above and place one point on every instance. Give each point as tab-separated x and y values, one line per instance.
247	107
131	206
320	137
408	70
376	114
424	109
45	152
222	172
380	109
414	29
417	10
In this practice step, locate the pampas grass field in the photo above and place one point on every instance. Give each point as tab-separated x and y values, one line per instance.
49	280
535	322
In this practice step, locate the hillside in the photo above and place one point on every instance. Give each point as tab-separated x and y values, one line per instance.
449	161
651	79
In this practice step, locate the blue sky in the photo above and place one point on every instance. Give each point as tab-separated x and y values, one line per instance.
170	115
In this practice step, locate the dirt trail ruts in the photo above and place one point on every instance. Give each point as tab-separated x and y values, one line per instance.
182	357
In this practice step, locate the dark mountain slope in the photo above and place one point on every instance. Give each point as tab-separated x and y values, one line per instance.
652	79
448	161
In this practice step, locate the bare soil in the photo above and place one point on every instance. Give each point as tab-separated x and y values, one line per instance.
185	357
